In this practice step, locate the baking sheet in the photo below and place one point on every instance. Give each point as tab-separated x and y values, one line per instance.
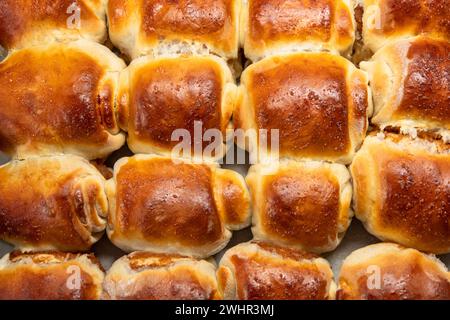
356	237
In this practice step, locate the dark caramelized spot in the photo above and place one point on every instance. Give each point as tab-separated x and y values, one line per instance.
302	208
293	19
263	278
307	102
25	282
105	105
416	199
167	202
173	95
426	92
148	260
20	20
416	16
50	97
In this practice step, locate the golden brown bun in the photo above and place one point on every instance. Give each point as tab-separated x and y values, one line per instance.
50	276
273	26
26	23
387	21
159	96
150	276
319	102
260	271
60	98
410	84
387	271
174	206
402	189
141	27
301	204
52	203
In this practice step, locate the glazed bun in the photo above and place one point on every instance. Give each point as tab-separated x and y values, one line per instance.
27	23
162	95
319	102
410	85
60	98
52	203
301	204
401	191
50	276
387	21
155	27
174	206
149	276
260	271
387	271
274	26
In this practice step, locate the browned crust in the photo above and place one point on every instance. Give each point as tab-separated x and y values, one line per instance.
155	201
20	19
65	106
302	208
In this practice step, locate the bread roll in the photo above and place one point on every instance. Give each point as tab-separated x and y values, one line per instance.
274	26
301	204
387	21
259	271
387	271
319	102
149	276
164	205
141	27
60	98
402	191
52	203
50	276
410	82
26	23
159	96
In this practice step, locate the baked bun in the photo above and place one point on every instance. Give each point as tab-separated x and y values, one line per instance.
259	271
387	21
150	276
402	189
319	102
154	27
166	205
26	23
387	271
52	203
159	96
50	276
273	26
301	204
410	84
60	98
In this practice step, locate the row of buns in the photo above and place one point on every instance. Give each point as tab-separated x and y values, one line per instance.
261	27
64	95
399	185
79	98
248	271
